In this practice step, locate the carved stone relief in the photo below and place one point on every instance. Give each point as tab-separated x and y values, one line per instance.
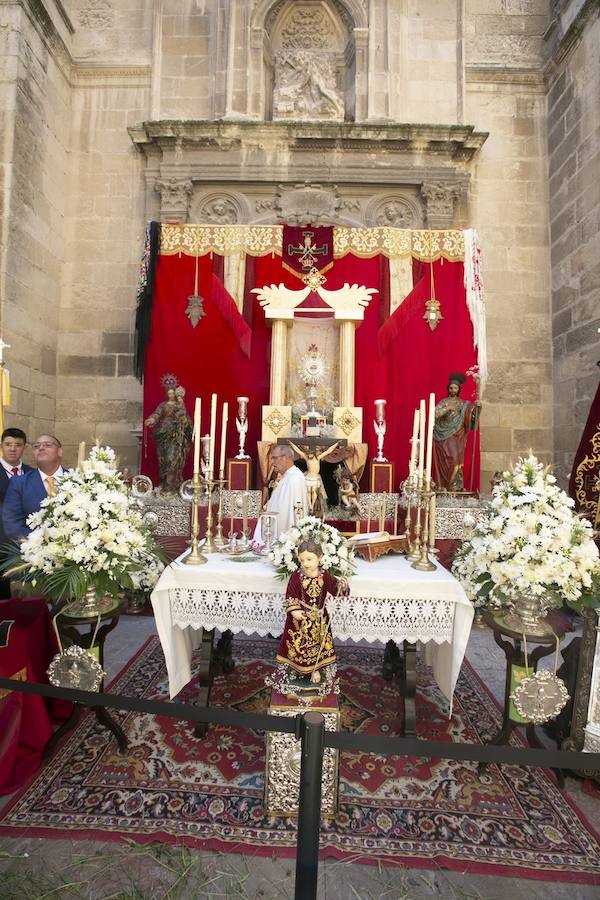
306	86
394	211
218	211
308	64
440	198
175	196
307	203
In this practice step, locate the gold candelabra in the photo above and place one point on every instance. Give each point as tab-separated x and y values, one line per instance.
211	543
195	557
415	545
423	563
219	541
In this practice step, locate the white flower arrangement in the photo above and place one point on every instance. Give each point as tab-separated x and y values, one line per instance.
90	534
337	558
529	541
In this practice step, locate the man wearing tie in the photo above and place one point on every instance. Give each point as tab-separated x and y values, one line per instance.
25	494
12	445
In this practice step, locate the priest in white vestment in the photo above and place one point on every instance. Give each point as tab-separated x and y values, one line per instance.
289	490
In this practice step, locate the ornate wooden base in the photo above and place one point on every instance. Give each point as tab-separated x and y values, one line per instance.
282	777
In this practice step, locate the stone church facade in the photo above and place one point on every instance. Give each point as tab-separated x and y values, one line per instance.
436	113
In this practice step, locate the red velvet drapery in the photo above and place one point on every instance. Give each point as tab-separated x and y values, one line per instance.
398	358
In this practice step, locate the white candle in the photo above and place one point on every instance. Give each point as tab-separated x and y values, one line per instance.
224	421
382	507
396	518
213	434
421	437
430	422
369	508
197	419
413	443
432	522
81	454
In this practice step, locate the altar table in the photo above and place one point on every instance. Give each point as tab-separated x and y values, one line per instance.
388	601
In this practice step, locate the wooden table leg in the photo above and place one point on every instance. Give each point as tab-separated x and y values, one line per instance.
205	677
105	718
60	732
409	690
392	664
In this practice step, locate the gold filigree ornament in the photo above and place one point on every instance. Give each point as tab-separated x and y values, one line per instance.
313	279
347	422
275	421
588	468
541	695
433	314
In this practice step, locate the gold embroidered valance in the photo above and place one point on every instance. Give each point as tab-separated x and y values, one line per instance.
260	240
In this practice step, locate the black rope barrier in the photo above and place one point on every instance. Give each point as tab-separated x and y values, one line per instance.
340	740
310	729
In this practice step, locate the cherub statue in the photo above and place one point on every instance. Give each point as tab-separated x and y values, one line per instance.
317	498
348	494
306	646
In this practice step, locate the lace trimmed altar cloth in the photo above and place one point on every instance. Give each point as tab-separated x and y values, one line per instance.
388	600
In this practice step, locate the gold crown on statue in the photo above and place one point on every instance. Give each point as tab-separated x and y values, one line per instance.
169	381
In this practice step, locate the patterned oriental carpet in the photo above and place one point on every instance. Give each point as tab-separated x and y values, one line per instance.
399	811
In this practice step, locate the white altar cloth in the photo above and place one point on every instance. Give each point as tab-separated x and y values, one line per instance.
388	600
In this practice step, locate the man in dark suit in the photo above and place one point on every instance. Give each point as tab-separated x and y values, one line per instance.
25	494
12	445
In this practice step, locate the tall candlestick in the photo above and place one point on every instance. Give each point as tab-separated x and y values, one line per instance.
432	522
213	434
414	442
396	517
421	437
223	439
369	509
197	410
81	454
430	422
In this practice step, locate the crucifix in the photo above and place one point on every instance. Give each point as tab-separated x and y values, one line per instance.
307	252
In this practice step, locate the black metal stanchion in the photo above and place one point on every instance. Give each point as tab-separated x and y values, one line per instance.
311	728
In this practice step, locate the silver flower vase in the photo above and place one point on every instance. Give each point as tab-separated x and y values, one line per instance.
528	615
90	605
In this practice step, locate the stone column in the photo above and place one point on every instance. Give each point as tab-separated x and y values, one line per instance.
439	203
278	362
174	198
346	363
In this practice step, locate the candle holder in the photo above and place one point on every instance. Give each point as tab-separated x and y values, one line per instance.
423	563
211	544
195	557
379	424
415	544
241	423
267	523
220	541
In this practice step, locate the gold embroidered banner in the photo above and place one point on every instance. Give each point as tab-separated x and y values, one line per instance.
260	240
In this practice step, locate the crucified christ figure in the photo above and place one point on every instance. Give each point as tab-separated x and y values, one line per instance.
314	485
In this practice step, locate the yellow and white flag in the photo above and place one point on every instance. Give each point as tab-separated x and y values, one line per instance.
4	393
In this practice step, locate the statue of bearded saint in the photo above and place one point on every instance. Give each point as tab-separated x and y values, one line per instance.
454	419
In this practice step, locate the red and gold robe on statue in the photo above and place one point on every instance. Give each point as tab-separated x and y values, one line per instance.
307	644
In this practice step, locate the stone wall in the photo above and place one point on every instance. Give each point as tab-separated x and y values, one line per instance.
35	115
574	154
77	190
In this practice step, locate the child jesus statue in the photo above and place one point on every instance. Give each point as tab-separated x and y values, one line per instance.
306	645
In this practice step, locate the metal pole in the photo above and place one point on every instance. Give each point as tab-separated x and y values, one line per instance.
311	728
